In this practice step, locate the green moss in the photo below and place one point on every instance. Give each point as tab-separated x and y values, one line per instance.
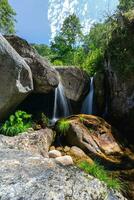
99	172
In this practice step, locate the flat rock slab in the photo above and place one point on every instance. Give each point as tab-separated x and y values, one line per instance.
24	176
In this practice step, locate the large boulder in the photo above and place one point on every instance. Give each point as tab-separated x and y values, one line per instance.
28	176
15	78
45	77
75	82
97	138
36	142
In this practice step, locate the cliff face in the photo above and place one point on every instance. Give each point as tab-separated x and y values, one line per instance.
119	76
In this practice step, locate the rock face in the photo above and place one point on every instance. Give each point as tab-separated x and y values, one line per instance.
121	100
36	142
96	137
100	93
75	82
15	78
31	177
45	77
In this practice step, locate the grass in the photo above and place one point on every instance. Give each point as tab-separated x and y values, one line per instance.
100	173
63	126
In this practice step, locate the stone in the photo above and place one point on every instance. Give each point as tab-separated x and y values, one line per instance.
78	155
15	79
45	77
75	82
28	176
95	137
64	160
54	154
36	142
66	149
52	148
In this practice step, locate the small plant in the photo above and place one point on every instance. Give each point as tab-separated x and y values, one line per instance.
99	172
82	119
44	120
17	123
63	126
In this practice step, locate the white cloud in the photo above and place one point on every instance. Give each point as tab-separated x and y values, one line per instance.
87	10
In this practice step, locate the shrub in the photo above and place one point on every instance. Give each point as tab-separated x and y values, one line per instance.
63	126
99	172
17	123
58	63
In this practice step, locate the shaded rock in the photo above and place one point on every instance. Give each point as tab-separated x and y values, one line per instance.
37	142
78	155
95	137
75	82
15	78
54	154
64	160
121	100
32	177
45	77
100	93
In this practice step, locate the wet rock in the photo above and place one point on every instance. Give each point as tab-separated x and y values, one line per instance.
100	93
15	78
75	82
45	77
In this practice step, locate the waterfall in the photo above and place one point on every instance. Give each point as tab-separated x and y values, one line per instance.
61	104
87	106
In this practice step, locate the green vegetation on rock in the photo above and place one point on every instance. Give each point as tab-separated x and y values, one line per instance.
17	123
99	172
63	126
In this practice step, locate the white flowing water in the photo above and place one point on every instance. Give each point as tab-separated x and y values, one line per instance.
60	104
87	106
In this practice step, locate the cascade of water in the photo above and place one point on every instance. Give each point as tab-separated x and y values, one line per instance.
61	105
87	106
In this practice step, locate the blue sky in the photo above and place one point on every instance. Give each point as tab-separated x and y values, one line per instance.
32	17
32	23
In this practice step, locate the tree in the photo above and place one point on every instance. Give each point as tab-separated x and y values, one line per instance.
7	18
64	44
125	5
71	30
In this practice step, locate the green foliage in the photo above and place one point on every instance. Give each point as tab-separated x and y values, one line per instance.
126	5
63	126
7	19
17	123
71	30
57	63
43	50
99	172
64	44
